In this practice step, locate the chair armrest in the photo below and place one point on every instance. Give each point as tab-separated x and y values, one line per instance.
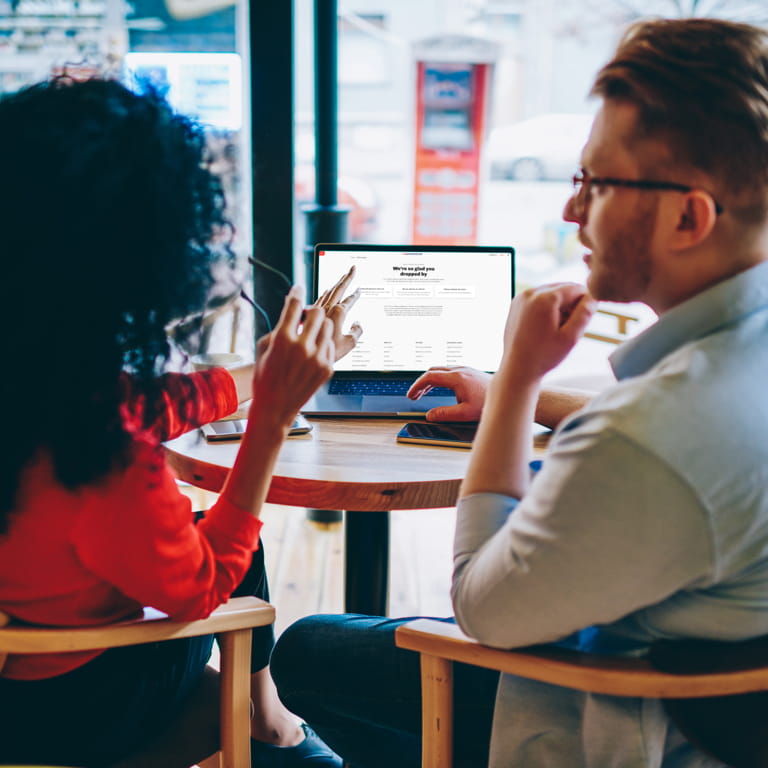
617	676
232	621
152	626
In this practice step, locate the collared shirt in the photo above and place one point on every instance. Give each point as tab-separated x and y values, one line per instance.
648	520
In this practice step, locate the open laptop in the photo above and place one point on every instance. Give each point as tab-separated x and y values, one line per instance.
420	305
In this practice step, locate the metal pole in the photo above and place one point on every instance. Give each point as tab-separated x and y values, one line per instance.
326	220
326	102
270	32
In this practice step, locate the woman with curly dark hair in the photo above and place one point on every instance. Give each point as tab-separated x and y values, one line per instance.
113	226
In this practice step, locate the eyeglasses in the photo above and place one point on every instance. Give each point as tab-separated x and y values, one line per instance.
583	182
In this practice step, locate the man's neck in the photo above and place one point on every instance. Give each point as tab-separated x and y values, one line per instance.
692	273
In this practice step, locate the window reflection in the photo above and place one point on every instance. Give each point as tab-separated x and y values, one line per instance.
186	49
535	124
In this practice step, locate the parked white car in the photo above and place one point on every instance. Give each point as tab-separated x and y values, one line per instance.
544	147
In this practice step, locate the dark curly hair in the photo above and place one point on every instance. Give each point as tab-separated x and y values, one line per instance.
111	223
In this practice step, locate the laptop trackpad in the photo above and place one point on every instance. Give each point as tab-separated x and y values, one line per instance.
385	404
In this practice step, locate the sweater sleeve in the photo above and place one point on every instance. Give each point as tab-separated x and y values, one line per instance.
188	401
137	533
194	399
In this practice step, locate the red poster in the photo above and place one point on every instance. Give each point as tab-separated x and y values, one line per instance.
451	102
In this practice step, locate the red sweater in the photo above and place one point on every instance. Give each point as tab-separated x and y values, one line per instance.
99	554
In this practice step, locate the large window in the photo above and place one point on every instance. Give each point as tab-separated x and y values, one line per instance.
410	107
191	50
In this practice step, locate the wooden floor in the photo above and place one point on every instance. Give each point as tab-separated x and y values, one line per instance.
305	561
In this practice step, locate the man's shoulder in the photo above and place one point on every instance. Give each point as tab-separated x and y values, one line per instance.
693	410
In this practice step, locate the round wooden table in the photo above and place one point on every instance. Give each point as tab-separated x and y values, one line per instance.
351	465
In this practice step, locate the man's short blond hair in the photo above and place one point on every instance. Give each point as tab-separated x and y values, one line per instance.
701	85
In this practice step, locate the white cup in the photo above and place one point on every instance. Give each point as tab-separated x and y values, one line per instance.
215	360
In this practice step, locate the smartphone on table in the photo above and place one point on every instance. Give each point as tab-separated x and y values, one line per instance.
234	429
429	433
458	434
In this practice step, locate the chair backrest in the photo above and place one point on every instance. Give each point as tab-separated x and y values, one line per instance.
730	728
218	309
232	622
622	323
741	741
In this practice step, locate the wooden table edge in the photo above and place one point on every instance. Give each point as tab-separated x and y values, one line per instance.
324	494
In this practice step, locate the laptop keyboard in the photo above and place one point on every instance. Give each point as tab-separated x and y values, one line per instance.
378	387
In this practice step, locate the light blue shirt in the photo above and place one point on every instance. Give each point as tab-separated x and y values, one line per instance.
648	519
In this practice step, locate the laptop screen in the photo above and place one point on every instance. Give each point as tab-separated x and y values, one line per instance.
421	306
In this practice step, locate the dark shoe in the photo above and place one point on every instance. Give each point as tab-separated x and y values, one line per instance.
313	752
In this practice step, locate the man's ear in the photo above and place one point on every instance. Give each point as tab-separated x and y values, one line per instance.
697	218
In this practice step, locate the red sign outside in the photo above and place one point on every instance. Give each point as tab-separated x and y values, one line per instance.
451	105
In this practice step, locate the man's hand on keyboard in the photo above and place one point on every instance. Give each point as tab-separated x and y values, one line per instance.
468	384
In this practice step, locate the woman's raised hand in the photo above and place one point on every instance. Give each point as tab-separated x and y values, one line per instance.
336	306
292	361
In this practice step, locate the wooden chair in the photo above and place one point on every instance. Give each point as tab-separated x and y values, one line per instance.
622	323
232	621
217	309
731	727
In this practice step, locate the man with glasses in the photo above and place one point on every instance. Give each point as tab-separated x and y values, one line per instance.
649	518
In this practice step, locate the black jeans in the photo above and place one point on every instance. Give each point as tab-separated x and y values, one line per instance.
105	709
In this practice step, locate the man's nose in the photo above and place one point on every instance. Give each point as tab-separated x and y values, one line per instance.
574	210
